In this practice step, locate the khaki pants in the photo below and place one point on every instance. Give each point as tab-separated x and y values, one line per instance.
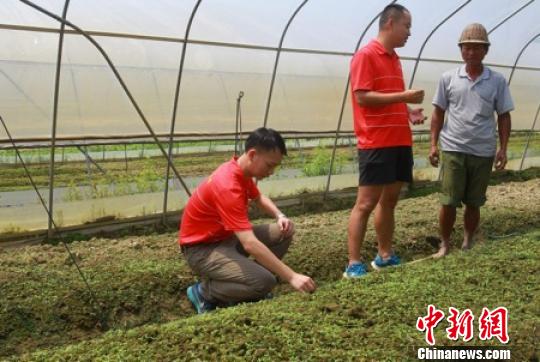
228	274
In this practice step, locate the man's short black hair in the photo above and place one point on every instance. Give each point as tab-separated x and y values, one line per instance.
394	11
266	139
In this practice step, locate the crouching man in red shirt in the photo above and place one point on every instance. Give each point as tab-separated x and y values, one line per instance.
217	237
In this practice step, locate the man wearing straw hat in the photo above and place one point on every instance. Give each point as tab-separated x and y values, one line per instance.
468	96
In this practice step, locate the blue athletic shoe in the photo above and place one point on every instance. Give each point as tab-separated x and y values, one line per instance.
379	263
195	297
355	270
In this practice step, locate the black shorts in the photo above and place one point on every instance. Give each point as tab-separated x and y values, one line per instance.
387	165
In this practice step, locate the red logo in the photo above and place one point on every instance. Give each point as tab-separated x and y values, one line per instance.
429	322
490	324
460	324
494	324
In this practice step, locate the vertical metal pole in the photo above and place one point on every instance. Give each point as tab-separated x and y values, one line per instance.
241	144
54	120
269	99
175	108
238	126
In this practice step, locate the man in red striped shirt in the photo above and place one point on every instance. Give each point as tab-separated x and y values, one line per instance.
381	124
217	237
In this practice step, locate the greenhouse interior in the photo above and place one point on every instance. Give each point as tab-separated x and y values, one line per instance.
113	112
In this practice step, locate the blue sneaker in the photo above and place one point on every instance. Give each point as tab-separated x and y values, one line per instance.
380	263
355	270
195	297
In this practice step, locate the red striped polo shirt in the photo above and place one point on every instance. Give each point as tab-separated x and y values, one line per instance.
374	69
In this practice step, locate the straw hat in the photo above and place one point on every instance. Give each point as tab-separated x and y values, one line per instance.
474	33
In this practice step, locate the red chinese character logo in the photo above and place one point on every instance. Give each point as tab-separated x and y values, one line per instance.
429	322
494	324
460	324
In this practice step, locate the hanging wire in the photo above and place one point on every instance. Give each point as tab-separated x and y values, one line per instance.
97	307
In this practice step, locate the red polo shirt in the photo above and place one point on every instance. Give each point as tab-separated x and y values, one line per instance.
219	206
374	69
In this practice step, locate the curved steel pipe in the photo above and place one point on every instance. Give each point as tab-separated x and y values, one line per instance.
509	81
175	108
519	56
509	17
534	122
429	36
269	99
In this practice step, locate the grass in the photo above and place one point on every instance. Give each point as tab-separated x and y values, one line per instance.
140	281
369	319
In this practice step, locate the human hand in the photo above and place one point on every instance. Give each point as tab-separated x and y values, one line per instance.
416	116
303	283
414	96
500	160
286	226
434	156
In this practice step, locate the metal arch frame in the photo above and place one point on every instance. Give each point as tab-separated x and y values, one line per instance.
175	108
118	77
519	56
344	101
278	54
509	17
429	37
537	111
526	147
